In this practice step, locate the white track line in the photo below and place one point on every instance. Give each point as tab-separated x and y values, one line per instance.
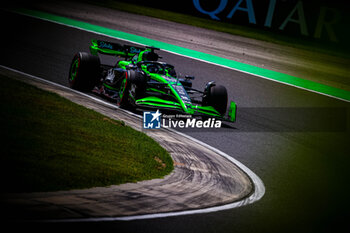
259	188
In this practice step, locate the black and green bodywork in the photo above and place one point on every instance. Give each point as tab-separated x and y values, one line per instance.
147	83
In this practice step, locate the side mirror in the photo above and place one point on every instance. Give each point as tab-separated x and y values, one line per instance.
188	77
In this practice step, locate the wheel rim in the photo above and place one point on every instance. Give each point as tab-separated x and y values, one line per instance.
74	70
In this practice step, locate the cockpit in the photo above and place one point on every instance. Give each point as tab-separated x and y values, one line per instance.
156	67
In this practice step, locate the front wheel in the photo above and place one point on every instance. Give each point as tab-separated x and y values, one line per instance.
134	87
84	71
216	96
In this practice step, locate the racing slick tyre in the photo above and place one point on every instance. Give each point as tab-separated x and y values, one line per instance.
84	71
216	97
135	85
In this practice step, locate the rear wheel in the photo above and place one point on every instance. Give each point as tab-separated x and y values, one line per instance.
216	96
84	71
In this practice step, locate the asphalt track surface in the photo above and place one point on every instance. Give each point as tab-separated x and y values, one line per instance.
287	136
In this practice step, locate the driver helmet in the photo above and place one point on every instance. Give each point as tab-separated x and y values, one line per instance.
150	56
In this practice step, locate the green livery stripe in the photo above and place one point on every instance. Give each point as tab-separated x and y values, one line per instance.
109	87
256	71
207	109
207	113
158	105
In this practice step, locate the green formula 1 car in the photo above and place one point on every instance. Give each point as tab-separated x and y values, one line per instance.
140	81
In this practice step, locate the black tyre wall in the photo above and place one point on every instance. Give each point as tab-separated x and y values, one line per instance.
218	98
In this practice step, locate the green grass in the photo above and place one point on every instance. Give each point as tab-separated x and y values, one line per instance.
50	143
234	29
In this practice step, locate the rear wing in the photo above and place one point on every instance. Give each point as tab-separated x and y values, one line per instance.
109	48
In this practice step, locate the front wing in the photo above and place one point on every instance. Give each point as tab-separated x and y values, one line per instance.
195	110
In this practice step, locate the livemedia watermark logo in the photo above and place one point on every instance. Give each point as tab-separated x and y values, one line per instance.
152	120
155	120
